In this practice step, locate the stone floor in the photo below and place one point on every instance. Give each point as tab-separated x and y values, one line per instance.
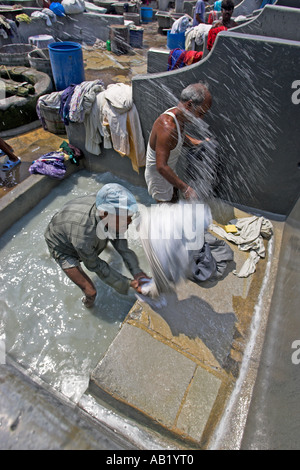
176	366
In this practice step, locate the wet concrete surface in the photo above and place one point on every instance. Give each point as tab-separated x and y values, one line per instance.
175	367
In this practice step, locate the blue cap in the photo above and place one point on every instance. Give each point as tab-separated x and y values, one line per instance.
113	198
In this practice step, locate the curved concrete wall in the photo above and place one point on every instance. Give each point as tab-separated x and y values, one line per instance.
255	116
246	7
274	21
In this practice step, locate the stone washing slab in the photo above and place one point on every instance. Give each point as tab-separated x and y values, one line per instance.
157	381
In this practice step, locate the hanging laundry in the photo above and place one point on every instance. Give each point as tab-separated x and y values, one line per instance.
180	25
65	99
196	36
83	98
121	124
212	35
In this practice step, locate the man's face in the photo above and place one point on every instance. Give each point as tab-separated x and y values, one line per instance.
115	225
227	13
122	223
199	111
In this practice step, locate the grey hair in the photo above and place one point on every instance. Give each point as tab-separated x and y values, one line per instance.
196	92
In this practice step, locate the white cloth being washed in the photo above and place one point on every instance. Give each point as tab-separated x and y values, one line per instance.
249	237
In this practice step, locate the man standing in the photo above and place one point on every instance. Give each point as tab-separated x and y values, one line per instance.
80	231
199	13
166	141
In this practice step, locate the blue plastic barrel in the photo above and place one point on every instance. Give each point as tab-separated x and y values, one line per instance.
175	40
67	63
146	14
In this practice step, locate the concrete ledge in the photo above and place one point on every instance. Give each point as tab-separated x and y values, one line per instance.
26	195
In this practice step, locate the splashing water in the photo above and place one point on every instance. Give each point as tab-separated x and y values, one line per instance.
46	327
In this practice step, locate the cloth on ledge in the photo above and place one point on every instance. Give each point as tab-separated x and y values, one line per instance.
211	261
196	36
115	118
180	58
50	164
249	237
213	33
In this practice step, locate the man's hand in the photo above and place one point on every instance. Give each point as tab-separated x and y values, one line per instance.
139	276
190	193
134	284
139	279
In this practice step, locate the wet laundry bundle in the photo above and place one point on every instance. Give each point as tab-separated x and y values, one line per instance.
170	234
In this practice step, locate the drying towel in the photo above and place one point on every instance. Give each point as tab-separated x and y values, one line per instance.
249	237
213	32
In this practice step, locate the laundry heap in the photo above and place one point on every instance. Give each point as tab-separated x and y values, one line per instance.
109	116
53	163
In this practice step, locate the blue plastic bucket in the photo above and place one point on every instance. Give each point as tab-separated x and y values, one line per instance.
136	38
67	63
175	40
146	14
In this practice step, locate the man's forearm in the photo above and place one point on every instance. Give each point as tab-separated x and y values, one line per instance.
172	178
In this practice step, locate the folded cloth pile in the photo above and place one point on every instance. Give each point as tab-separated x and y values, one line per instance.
249	237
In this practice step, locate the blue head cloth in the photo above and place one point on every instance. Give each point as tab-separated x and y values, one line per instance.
113	198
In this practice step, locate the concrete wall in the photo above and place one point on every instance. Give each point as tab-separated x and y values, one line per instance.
108	160
83	27
273	419
274	21
246	7
288	3
255	116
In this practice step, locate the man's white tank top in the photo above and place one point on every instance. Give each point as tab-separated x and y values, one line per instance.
159	188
